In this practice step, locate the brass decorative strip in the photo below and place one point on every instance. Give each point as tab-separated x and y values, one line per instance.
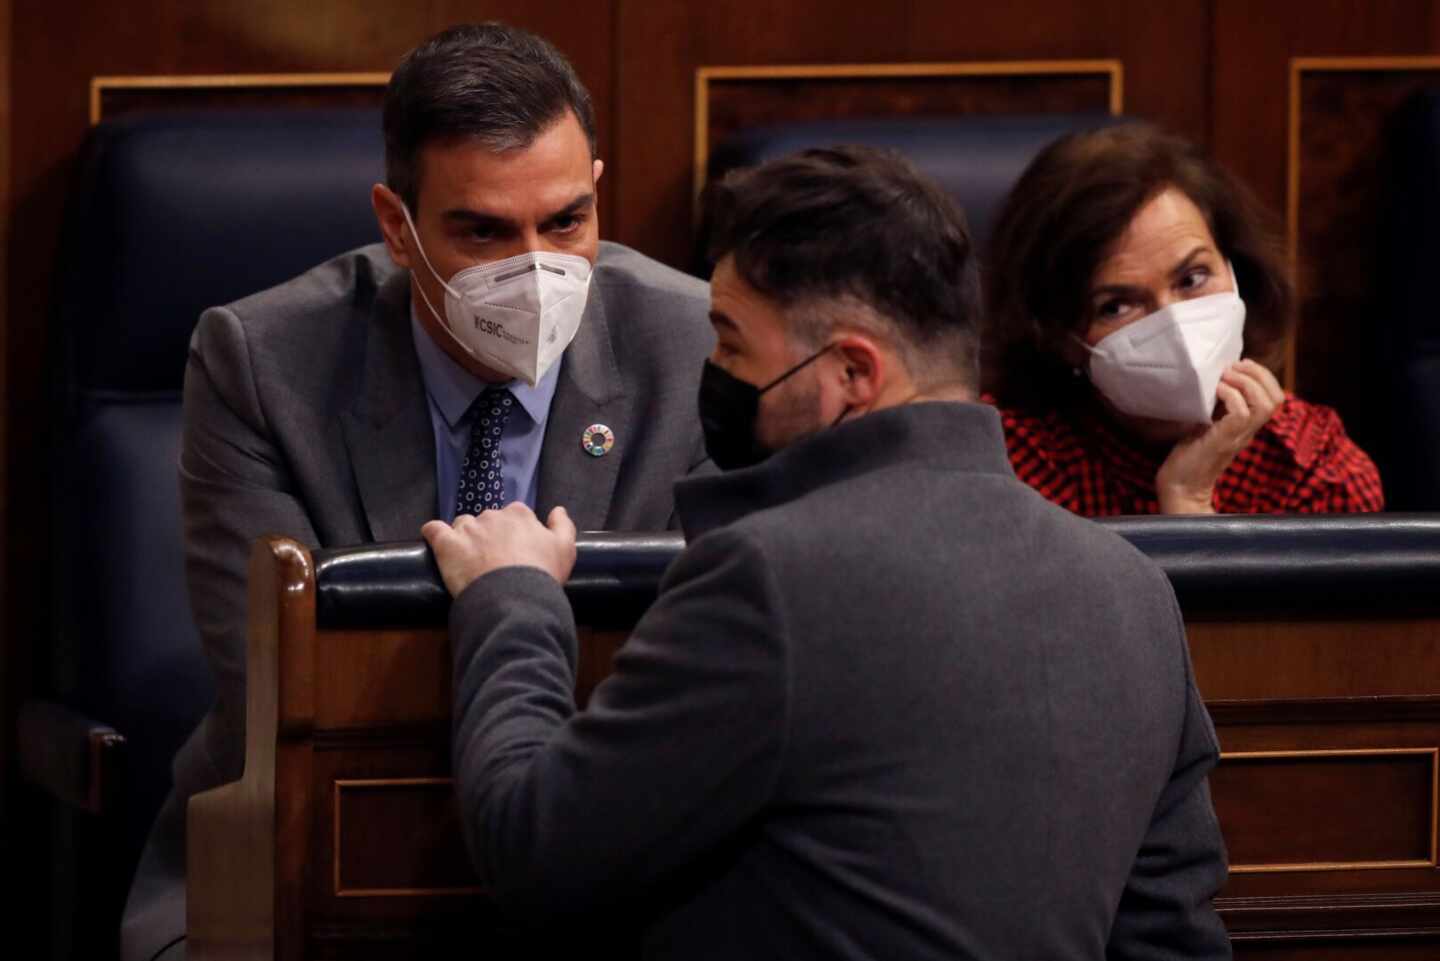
243	81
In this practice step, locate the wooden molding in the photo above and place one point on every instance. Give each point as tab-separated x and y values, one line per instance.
242	81
1432	753
1114	70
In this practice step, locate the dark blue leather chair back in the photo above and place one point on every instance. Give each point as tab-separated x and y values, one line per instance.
1405	337
172	213
977	159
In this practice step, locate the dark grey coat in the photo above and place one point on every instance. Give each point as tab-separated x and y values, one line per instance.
890	704
305	415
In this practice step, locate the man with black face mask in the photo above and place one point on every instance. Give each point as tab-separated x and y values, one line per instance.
890	703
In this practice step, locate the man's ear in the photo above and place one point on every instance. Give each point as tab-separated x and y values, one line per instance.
390	214
864	370
597	167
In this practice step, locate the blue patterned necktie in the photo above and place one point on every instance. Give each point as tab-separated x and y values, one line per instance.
481	487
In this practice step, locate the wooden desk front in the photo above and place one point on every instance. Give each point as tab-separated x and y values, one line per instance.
341	839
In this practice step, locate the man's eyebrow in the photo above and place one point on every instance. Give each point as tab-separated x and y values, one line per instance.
721	320
573	207
475	218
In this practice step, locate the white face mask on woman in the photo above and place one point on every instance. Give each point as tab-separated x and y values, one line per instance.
517	315
1167	365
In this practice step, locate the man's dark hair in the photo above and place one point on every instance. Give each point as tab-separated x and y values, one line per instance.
493	83
856	223
1061	222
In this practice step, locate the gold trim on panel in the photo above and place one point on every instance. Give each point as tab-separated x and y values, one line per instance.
222	81
341	892
1433	861
1114	69
1298	67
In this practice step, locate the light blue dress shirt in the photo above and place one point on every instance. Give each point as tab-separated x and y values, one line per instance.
451	389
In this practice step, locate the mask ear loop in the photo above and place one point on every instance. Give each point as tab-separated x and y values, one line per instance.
405	209
444	325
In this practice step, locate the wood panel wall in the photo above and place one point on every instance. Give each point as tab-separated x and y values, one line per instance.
11	851
1217	71
5	87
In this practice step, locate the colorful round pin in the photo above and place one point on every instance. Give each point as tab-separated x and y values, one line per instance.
597	439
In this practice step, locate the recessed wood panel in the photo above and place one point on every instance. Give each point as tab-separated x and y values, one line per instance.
1339	111
400	838
1252	45
733	99
1327	811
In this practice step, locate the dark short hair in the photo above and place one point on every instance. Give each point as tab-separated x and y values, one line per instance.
1061	221
497	84
859	223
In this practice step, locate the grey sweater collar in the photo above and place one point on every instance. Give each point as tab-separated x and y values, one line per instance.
938	434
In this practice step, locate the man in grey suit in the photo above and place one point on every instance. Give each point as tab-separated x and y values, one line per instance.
890	702
430	376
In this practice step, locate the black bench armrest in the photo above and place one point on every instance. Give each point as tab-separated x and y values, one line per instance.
74	759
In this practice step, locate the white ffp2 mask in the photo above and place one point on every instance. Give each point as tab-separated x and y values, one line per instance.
1167	365
516	315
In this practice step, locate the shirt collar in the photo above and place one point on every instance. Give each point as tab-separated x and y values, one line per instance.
453	389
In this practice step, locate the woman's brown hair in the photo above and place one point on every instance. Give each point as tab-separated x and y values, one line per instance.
1059	224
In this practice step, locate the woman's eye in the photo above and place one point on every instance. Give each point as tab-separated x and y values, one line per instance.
1195	279
1111	309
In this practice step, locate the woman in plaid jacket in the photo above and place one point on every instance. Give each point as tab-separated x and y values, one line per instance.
1139	300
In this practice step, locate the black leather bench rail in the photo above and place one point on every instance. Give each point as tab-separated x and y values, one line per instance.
1307	566
1280	566
616	577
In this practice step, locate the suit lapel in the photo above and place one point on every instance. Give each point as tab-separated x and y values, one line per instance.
589	392
387	430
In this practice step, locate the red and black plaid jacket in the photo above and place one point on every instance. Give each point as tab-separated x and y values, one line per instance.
1300	462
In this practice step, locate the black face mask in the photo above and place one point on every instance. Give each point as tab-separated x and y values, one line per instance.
728	408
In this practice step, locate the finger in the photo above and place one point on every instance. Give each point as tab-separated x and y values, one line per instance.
1256	397
520	508
1267	379
561	525
435	531
1237	411
445	543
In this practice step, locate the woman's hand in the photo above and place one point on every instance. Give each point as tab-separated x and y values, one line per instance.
1185	483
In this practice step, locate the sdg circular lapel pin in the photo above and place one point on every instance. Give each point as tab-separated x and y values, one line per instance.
597	439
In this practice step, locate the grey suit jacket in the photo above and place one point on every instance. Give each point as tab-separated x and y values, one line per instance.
890	704
305	415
